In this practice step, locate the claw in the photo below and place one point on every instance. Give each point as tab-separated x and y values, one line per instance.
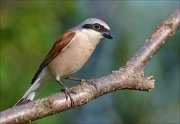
91	82
67	94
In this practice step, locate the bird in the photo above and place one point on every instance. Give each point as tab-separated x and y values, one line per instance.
68	54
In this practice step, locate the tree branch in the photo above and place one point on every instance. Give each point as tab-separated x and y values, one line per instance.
131	76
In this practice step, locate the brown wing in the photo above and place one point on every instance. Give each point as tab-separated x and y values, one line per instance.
57	47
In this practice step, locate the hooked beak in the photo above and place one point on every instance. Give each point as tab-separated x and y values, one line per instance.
107	35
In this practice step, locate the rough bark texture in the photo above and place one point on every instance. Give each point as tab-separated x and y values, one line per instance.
131	76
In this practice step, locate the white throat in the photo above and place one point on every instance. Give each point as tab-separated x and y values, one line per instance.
93	36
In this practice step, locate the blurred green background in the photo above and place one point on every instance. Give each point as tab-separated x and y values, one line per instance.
28	29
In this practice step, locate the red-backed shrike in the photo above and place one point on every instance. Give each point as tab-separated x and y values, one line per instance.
68	54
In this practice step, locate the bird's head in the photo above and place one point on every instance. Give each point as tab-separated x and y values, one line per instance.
95	28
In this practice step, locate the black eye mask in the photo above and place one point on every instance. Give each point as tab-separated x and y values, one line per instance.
96	27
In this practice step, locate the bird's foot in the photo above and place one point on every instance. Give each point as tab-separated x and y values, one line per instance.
90	82
68	94
83	81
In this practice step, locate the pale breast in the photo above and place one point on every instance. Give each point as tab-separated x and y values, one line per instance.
72	58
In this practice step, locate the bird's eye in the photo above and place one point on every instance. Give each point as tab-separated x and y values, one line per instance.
97	26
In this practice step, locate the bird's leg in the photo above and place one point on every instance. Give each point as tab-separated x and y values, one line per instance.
83	81
76	79
66	92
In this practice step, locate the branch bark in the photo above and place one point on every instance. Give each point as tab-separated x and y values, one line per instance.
131	77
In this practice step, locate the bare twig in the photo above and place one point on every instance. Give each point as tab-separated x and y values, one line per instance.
128	77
